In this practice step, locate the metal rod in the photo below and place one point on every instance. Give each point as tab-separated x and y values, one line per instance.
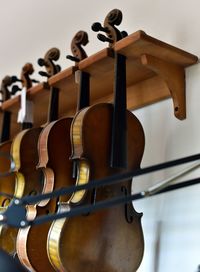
108	180
106	204
161	185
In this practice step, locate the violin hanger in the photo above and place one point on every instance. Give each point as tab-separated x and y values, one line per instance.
26	82
119	137
52	55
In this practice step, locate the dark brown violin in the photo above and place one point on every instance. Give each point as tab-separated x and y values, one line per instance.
8	183
31	250
106	139
67	167
25	179
54	149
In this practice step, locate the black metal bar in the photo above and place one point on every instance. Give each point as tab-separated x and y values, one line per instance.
179	185
107	204
109	180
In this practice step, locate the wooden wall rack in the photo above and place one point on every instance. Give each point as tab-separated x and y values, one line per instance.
155	71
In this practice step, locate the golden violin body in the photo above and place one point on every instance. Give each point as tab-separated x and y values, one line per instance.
25	180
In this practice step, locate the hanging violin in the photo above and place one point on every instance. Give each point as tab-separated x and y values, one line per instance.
53	147
8	182
31	251
106	139
54	150
53	244
23	151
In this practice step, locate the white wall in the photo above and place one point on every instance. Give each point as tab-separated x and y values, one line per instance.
29	27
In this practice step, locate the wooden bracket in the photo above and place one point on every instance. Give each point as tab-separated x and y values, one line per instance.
174	77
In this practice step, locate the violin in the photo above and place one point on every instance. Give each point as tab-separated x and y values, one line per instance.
68	168
106	139
31	250
54	150
7	183
26	180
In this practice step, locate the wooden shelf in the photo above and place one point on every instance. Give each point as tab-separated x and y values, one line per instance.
155	71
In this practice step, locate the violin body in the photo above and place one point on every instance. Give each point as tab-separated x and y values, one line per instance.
110	240
7	183
25	180
25	156
54	151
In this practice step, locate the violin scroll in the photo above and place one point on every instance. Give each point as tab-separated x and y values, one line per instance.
6	82
27	70
81	38
113	19
52	55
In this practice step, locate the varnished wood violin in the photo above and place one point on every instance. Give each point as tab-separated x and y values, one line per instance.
31	251
54	150
24	153
70	173
106	139
8	183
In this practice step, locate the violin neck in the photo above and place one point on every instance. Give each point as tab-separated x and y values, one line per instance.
26	125
119	126
53	105
84	91
5	135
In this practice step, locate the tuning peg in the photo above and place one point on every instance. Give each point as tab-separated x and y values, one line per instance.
15	79
58	68
35	80
42	73
15	89
41	62
98	27
72	58
124	34
103	38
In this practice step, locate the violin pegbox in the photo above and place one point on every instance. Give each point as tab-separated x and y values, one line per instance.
27	71
25	79
80	39
113	34
6	82
52	55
